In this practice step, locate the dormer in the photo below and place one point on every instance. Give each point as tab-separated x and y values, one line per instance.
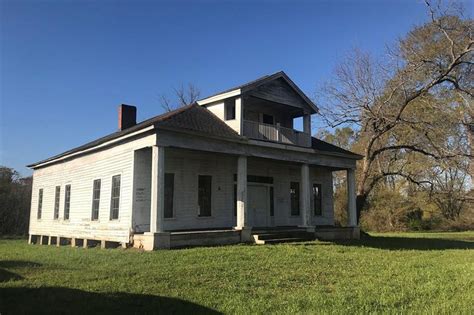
265	110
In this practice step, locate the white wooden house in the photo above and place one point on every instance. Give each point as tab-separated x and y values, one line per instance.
230	168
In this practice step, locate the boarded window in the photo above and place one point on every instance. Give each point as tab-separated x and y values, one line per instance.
272	203
229	109
205	195
295	198
115	198
95	199
40	203
67	201
317	199
169	193
56	202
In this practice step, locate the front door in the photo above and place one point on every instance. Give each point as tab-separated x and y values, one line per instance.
259	207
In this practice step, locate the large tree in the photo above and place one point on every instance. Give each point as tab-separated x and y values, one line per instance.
395	102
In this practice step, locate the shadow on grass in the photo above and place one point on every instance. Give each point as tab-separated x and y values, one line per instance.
407	243
72	301
6	275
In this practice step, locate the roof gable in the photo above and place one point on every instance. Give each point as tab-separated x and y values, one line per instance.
277	87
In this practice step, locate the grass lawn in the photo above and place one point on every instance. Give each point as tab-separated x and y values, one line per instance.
384	273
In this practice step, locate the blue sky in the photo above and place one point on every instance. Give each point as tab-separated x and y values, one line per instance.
67	65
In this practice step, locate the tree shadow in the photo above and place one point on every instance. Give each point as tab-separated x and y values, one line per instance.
73	301
406	243
6	275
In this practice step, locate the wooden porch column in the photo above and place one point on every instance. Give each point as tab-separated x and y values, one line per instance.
157	189
242	209
351	198
305	197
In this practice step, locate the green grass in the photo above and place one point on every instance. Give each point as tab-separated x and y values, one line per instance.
384	273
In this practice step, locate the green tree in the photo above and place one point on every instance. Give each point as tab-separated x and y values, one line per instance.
15	197
408	109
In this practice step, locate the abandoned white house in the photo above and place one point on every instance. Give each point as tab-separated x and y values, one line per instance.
230	168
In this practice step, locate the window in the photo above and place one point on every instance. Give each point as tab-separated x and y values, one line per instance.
40	203
115	198
257	179
67	201
205	194
95	200
169	192
272	203
56	202
235	200
295	198
267	119
317	196
229	109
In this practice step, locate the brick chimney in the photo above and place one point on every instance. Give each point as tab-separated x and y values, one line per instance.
127	116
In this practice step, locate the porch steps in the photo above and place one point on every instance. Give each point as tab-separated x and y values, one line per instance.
282	236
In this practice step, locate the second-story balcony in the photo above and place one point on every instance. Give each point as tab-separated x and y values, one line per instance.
276	133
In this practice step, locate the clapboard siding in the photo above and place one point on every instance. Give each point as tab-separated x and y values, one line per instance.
80	174
188	165
219	110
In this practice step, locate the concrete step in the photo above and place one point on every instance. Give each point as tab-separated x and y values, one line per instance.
280	240
283	236
286	234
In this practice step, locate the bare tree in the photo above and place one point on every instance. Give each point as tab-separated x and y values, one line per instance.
184	95
395	104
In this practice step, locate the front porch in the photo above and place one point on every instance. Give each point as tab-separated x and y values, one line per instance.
190	198
229	236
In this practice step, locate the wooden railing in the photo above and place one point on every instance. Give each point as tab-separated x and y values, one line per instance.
277	133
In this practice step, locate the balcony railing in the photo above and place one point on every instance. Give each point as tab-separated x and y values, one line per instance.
277	133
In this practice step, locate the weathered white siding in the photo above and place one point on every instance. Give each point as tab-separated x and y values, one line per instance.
80	173
188	165
219	110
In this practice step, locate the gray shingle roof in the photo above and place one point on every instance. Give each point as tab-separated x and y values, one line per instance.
324	146
192	117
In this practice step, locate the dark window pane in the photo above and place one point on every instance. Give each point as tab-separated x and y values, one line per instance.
56	202
229	109
96	199
295	198
40	203
317	198
205	195
169	192
67	201
235	200
272	203
257	179
267	119
115	198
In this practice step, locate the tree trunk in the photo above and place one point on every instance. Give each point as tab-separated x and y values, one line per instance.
361	200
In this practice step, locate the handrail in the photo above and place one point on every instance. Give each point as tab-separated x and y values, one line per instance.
277	133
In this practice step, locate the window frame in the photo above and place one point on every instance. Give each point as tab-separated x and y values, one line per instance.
319	199
67	202
57	200
211	203
39	211
271	194
295	201
230	103
93	218
268	115
172	198
115	198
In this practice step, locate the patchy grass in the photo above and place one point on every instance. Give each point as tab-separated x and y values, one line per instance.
384	273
